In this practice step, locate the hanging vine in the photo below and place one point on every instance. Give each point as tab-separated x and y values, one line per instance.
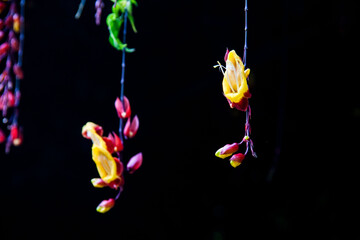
236	91
11	52
107	150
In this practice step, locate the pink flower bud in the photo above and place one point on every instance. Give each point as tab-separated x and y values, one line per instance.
2	136
134	163
123	109
227	150
4	48
131	127
237	159
18	71
105	205
16	135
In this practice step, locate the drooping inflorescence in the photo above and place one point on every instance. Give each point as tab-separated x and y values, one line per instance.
11	51
111	168
104	148
236	91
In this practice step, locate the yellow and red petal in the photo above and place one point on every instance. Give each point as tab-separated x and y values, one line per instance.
237	159
227	150
98	183
105	163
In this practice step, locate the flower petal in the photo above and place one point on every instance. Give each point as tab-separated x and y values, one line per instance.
98	183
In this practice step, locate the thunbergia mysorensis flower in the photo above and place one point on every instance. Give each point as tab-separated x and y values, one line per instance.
234	83
11	49
236	91
110	168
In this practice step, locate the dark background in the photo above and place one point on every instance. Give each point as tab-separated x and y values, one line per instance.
304	115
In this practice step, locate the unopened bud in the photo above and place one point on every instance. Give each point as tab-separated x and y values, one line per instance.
105	205
237	159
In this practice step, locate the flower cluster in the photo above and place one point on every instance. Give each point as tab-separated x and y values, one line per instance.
11	72
111	168
236	91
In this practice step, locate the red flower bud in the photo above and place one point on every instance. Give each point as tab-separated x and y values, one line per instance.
123	109
118	145
105	205
131	127
134	163
2	136
237	159
18	71
227	150
4	48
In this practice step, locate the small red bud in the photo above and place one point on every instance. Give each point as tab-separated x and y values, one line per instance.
2	136
18	71
236	159
117	143
4	48
105	205
14	44
131	127
123	109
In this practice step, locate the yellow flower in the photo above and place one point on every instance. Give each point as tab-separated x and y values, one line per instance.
107	166
234	83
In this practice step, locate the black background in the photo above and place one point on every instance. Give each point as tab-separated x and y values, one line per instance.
304	115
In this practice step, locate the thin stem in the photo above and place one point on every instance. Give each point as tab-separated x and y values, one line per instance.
122	81
118	195
21	46
245	44
80	9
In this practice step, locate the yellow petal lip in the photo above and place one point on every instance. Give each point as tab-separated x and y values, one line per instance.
103	159
234	164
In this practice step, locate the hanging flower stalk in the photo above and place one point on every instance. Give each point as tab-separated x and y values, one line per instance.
110	167
11	52
236	92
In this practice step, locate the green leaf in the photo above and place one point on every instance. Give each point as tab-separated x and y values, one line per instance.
134	2
131	18
114	24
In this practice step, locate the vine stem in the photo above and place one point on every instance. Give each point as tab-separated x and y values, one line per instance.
21	44
122	81
245	29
